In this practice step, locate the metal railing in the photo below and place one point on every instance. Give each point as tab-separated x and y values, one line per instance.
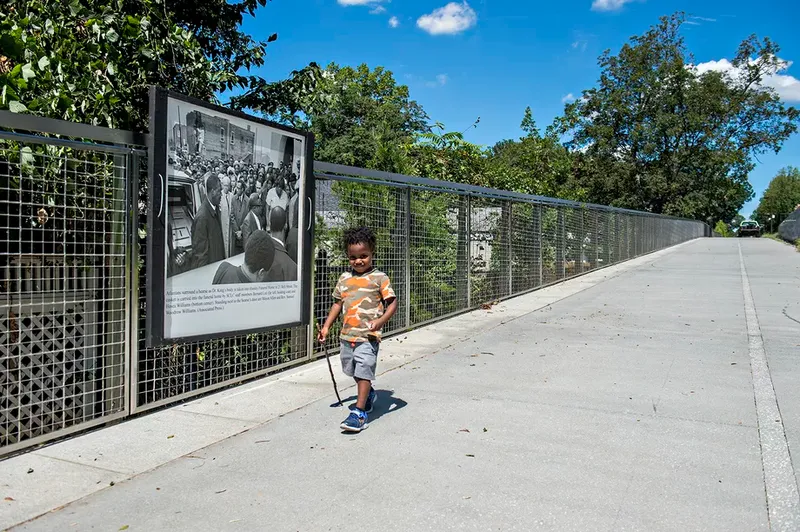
449	247
72	261
65	267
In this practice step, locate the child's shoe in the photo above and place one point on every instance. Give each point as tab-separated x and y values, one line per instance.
355	422
372	398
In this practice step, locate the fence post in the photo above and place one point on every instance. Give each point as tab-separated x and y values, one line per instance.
537	229
468	243
581	239
560	244
509	231
607	247
596	239
407	231
618	240
132	280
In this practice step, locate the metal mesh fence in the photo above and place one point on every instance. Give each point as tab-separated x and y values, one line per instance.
438	255
178	371
63	321
73	263
458	249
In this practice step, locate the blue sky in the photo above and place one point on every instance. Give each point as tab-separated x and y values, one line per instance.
492	58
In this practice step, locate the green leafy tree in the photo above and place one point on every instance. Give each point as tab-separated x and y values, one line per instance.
91	61
534	164
352	111
781	196
658	136
723	229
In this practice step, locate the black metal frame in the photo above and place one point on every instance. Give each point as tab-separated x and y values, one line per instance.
157	220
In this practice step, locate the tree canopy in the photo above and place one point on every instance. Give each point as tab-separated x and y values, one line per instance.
657	135
350	110
781	196
91	61
534	164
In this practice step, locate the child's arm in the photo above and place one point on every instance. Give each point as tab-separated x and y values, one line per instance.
380	322
336	308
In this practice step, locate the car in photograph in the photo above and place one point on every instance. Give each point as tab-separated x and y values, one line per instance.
184	199
749	228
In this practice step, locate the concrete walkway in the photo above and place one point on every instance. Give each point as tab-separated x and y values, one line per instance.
621	400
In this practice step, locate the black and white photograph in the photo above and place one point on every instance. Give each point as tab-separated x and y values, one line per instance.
233	212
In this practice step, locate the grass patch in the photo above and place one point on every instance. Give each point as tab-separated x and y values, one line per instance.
777	238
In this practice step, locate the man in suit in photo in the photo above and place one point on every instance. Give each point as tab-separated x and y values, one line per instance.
283	268
208	245
293	234
239	210
252	222
226	213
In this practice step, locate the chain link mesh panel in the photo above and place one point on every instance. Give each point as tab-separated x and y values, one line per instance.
63	267
342	205
438	255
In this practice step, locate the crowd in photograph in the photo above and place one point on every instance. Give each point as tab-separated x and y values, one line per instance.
245	208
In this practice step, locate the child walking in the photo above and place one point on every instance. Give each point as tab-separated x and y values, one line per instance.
366	296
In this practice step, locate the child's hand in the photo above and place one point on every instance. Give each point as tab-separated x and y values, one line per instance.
323	334
373	325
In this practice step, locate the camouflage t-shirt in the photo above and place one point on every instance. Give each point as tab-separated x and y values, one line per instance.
362	297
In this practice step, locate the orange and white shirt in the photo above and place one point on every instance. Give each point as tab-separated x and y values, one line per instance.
364	298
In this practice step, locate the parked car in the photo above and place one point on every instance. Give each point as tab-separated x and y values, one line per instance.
749	228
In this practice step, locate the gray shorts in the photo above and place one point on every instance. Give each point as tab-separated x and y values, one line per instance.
360	361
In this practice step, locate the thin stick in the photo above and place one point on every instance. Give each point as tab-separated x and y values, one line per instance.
330	368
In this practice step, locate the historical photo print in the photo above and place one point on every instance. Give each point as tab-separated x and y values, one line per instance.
233	214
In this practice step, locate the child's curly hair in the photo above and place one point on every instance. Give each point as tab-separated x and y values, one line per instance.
359	235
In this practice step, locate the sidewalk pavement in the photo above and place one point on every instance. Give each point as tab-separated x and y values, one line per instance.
620	400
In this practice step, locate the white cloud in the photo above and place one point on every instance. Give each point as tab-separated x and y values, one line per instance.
451	19
787	87
568	98
608	5
377	10
394	22
441	81
580	44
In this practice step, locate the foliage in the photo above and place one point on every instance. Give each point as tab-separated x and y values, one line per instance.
781	196
446	156
723	229
91	61
351	111
534	164
658	136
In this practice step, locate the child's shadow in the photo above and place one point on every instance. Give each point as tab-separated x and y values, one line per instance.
386	403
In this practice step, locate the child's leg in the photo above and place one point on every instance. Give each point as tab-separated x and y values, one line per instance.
364	387
366	359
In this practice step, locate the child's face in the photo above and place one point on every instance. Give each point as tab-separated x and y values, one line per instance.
360	257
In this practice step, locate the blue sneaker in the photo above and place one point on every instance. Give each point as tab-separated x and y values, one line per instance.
355	422
372	398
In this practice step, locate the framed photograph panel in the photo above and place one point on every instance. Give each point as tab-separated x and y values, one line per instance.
230	222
